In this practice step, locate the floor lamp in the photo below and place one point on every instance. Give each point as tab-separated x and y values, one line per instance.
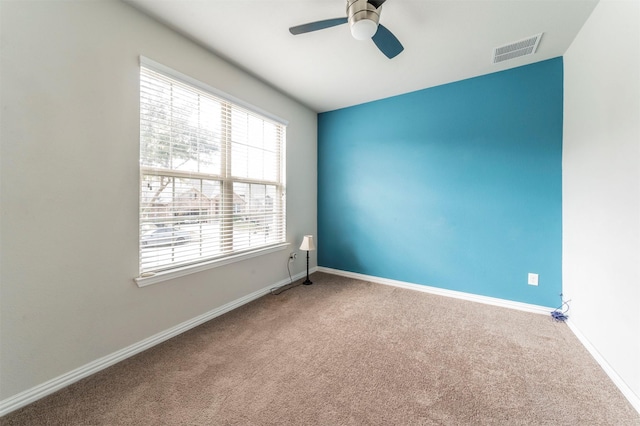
308	245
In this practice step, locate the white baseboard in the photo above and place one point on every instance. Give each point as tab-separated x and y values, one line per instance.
31	395
443	292
633	399
631	396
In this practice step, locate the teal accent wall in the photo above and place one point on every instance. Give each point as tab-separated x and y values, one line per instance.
457	186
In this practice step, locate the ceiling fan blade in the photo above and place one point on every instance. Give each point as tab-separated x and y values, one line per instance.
376	3
318	25
387	42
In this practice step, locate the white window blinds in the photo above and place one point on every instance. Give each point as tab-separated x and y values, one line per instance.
212	175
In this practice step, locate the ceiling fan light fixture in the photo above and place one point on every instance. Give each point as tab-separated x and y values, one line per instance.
363	19
363	29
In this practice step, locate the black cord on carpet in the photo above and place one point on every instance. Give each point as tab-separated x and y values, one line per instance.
277	290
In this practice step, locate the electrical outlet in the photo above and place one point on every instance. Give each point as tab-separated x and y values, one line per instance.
532	279
293	255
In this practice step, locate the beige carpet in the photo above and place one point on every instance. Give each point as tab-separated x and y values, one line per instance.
347	352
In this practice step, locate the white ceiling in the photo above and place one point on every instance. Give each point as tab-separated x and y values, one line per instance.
444	41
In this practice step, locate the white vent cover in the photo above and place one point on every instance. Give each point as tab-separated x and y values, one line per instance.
527	46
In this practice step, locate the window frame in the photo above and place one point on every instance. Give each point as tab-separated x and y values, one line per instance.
222	258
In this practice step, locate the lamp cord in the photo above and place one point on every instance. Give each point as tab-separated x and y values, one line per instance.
277	290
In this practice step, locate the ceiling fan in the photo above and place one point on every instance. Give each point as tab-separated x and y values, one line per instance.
363	17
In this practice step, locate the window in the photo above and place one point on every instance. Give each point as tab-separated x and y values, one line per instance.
211	173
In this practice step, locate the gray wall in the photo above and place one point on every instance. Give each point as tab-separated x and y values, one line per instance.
601	186
69	187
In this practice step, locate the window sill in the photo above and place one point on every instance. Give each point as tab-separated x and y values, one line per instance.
157	277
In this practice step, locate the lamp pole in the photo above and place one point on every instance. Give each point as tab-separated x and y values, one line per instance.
307	281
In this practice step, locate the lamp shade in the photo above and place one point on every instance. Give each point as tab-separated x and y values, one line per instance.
307	243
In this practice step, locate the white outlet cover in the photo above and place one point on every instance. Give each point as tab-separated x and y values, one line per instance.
532	279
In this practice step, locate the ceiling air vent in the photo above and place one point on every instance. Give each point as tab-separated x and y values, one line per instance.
523	47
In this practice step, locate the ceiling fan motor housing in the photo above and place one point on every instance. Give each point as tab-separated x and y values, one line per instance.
363	19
